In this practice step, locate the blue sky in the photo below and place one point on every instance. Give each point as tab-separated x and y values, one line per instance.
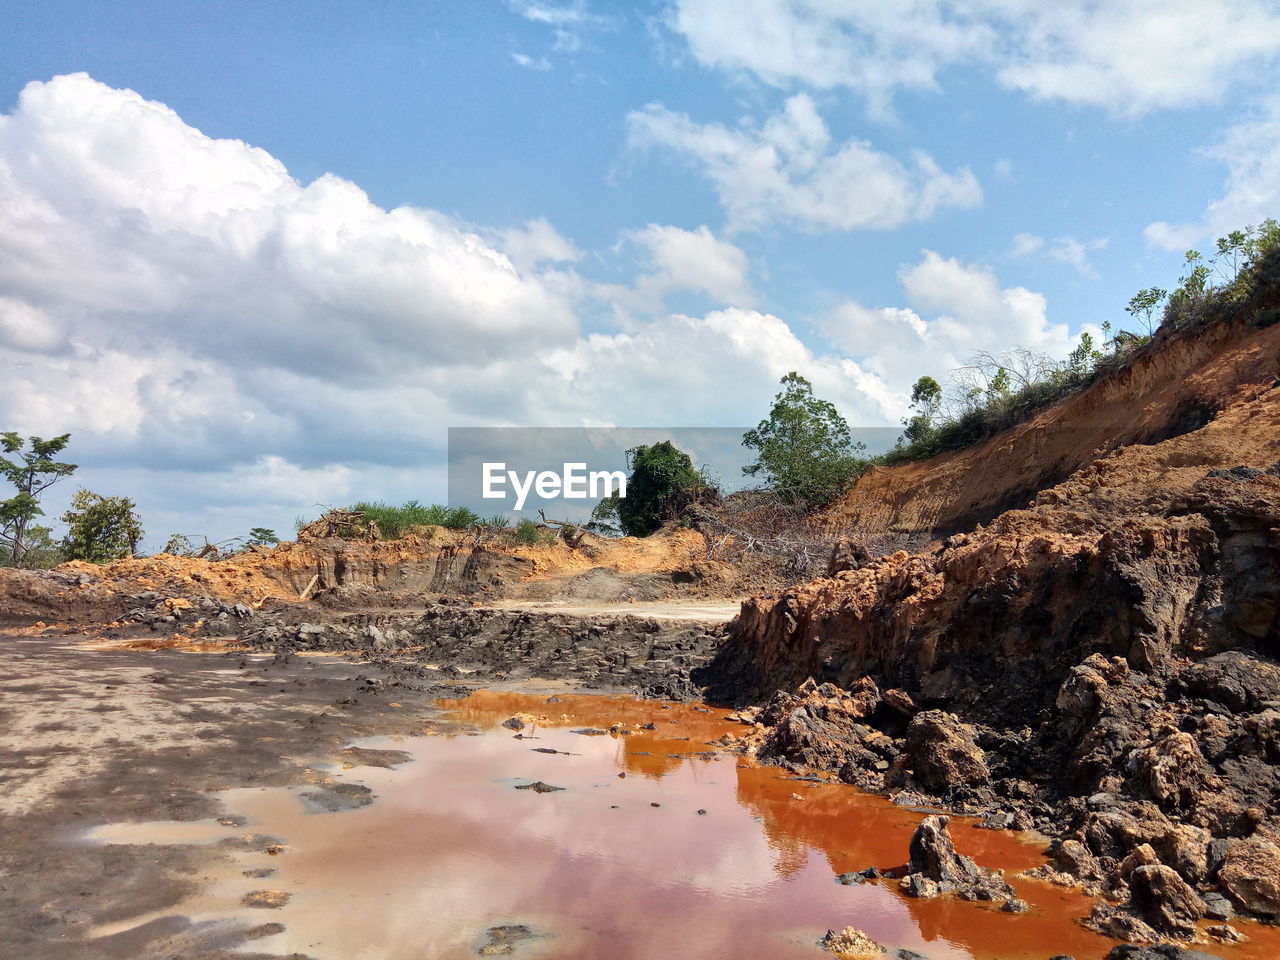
574	213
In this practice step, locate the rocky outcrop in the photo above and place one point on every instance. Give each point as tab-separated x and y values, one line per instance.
1100	665
1250	874
942	754
935	868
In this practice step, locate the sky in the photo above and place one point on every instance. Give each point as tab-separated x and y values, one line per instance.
257	258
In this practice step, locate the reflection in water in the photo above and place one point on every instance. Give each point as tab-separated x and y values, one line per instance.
623	863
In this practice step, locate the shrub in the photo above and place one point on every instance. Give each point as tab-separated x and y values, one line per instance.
100	529
661	475
392	523
529	534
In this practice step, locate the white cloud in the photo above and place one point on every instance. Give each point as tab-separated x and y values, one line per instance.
1127	56
230	346
1066	249
531	63
691	260
788	170
1250	150
956	309
1026	244
569	22
535	243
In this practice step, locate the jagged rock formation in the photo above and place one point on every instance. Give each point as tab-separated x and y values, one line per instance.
1099	664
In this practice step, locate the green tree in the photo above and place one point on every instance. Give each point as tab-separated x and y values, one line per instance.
804	451
1082	360
261	537
1142	305
661	474
31	471
100	529
926	400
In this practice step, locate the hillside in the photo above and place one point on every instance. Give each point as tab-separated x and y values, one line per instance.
1098	662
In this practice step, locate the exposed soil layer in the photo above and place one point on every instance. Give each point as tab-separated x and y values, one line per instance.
1100	665
406	573
1176	386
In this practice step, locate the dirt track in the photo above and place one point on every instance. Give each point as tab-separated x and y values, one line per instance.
697	611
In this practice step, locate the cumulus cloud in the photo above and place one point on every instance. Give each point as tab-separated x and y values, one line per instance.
677	260
955	309
231	347
1127	56
535	243
789	171
1250	150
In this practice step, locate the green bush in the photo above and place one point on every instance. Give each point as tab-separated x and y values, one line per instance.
529	534
662	477
101	529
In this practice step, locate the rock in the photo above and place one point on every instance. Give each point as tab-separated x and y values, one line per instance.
1217	907
1165	901
514	723
1250	873
943	753
850	944
538	787
1159	951
1119	924
1015	905
847	555
997	821
1073	857
1175	773
933	855
265	899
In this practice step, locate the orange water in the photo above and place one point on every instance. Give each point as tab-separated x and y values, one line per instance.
450	848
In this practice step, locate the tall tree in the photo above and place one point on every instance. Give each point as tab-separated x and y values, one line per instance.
804	450
31	471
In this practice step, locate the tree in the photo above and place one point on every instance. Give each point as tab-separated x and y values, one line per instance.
100	529
1082	360
926	400
804	450
31	472
261	537
662	475
1142	305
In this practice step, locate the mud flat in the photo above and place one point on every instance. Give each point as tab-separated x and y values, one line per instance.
213	805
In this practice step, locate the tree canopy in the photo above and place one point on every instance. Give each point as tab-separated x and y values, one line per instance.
660	474
804	451
31	471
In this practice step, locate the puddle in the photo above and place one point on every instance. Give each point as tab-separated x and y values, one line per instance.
621	863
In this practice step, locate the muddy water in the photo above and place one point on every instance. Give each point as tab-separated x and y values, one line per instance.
651	850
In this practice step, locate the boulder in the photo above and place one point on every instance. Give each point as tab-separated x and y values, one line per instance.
934	857
1250	873
1164	900
943	753
1175	773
